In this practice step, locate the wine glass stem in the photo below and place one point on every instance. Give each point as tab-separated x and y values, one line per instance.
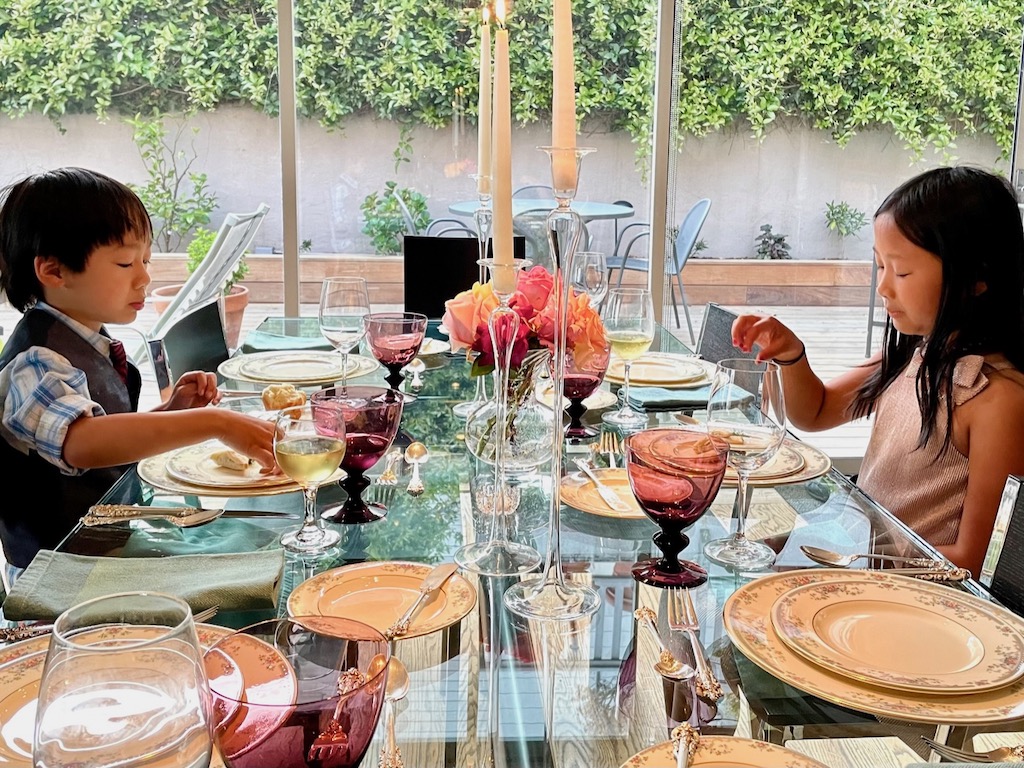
625	385
309	522
742	503
344	368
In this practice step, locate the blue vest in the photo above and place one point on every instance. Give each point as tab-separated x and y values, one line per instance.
51	503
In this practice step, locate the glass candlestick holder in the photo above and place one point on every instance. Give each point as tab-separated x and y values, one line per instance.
550	595
499	556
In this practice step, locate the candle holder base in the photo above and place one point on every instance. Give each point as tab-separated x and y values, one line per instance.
544	598
497	558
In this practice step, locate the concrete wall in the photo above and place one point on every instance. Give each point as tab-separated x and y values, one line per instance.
784	180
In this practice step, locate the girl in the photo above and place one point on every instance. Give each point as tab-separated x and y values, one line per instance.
947	388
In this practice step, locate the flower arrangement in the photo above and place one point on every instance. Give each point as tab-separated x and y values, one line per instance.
534	301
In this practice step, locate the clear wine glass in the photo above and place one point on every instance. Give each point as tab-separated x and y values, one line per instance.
309	445
746	407
590	275
629	320
675	473
123	684
395	338
344	302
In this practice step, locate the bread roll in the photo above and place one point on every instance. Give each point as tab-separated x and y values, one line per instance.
230	459
278	396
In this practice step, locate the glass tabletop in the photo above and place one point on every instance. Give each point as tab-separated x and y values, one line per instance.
578	693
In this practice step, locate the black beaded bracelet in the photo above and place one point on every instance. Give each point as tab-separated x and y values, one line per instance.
795	360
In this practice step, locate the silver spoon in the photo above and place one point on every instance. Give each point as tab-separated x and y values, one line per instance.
397	688
836	560
416	454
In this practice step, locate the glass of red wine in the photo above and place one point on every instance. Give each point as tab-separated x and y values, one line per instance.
675	473
395	339
584	372
300	691
372	416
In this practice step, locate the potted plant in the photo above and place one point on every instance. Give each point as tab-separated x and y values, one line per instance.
236	297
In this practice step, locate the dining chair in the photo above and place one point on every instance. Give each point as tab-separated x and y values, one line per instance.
538	191
715	341
1002	570
195	342
439	227
436	268
682	247
872	300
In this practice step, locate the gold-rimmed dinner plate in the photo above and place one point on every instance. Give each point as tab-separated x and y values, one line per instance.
434	347
747	620
815	464
916	635
294	366
602	398
379	593
724	752
194	465
786	461
578	491
662	369
21	670
319	374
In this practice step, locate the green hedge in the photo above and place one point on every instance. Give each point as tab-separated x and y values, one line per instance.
928	71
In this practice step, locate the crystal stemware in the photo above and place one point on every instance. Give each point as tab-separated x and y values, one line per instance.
395	338
309	444
584	372
301	691
747	407
590	275
629	319
344	302
372	416
123	684
674	473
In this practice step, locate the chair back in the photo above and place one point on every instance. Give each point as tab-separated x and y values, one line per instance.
206	283
688	233
407	217
538	191
715	341
196	342
437	268
1003	568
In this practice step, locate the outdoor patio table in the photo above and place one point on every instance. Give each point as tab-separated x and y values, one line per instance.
589	211
570	694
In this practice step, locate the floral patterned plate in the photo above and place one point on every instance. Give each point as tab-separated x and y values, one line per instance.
21	669
379	593
916	636
724	752
194	464
578	491
815	464
661	369
747	620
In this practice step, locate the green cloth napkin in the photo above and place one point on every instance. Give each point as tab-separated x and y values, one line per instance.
55	581
260	341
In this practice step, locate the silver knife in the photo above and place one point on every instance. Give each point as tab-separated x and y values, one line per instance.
610	497
434	580
184	517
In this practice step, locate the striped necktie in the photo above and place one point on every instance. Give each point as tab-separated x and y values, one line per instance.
119	359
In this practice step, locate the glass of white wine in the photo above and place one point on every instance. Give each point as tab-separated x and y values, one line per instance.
629	320
344	302
309	445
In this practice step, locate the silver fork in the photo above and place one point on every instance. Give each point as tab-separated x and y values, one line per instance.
388	476
997	755
384	494
609	445
682	617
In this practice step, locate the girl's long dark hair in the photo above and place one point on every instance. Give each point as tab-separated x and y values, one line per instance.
969	219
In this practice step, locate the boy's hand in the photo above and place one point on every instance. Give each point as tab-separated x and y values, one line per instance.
251	436
193	390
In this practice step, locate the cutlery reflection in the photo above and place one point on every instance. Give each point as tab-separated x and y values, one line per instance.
997	755
184	517
16	634
667	665
685	739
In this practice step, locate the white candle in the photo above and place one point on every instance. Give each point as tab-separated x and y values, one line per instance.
563	101
504	280
483	183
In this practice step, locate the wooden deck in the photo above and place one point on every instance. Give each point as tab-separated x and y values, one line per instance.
834	337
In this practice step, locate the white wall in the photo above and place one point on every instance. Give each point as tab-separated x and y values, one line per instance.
784	180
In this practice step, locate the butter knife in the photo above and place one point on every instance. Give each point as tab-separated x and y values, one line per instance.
610	497
434	580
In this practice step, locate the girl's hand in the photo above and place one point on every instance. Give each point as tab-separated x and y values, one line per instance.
193	390
773	339
251	436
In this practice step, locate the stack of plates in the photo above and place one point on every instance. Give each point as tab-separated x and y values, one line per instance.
884	644
660	369
721	751
298	367
795	462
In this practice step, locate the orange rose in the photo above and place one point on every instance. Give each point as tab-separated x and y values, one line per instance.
586	336
464	313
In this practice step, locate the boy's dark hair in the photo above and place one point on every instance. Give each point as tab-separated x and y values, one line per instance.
65	213
969	218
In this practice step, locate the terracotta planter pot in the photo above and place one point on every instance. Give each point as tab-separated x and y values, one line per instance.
235	303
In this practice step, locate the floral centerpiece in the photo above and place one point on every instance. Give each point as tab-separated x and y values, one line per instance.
535	302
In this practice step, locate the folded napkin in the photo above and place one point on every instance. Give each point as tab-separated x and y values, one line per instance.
659	398
260	341
55	581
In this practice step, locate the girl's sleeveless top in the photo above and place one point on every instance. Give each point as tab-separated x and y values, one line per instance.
923	487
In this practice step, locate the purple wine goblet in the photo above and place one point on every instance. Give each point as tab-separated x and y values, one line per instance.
372	416
395	339
584	373
675	473
301	691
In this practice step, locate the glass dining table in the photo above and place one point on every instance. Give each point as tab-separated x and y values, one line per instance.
494	689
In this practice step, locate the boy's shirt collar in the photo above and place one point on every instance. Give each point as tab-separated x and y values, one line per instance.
99	341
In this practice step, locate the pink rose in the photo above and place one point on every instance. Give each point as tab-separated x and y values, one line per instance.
535	284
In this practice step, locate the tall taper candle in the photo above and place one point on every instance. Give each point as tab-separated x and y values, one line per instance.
483	183
563	101
504	280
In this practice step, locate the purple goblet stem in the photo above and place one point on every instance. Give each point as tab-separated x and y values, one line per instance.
355	511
